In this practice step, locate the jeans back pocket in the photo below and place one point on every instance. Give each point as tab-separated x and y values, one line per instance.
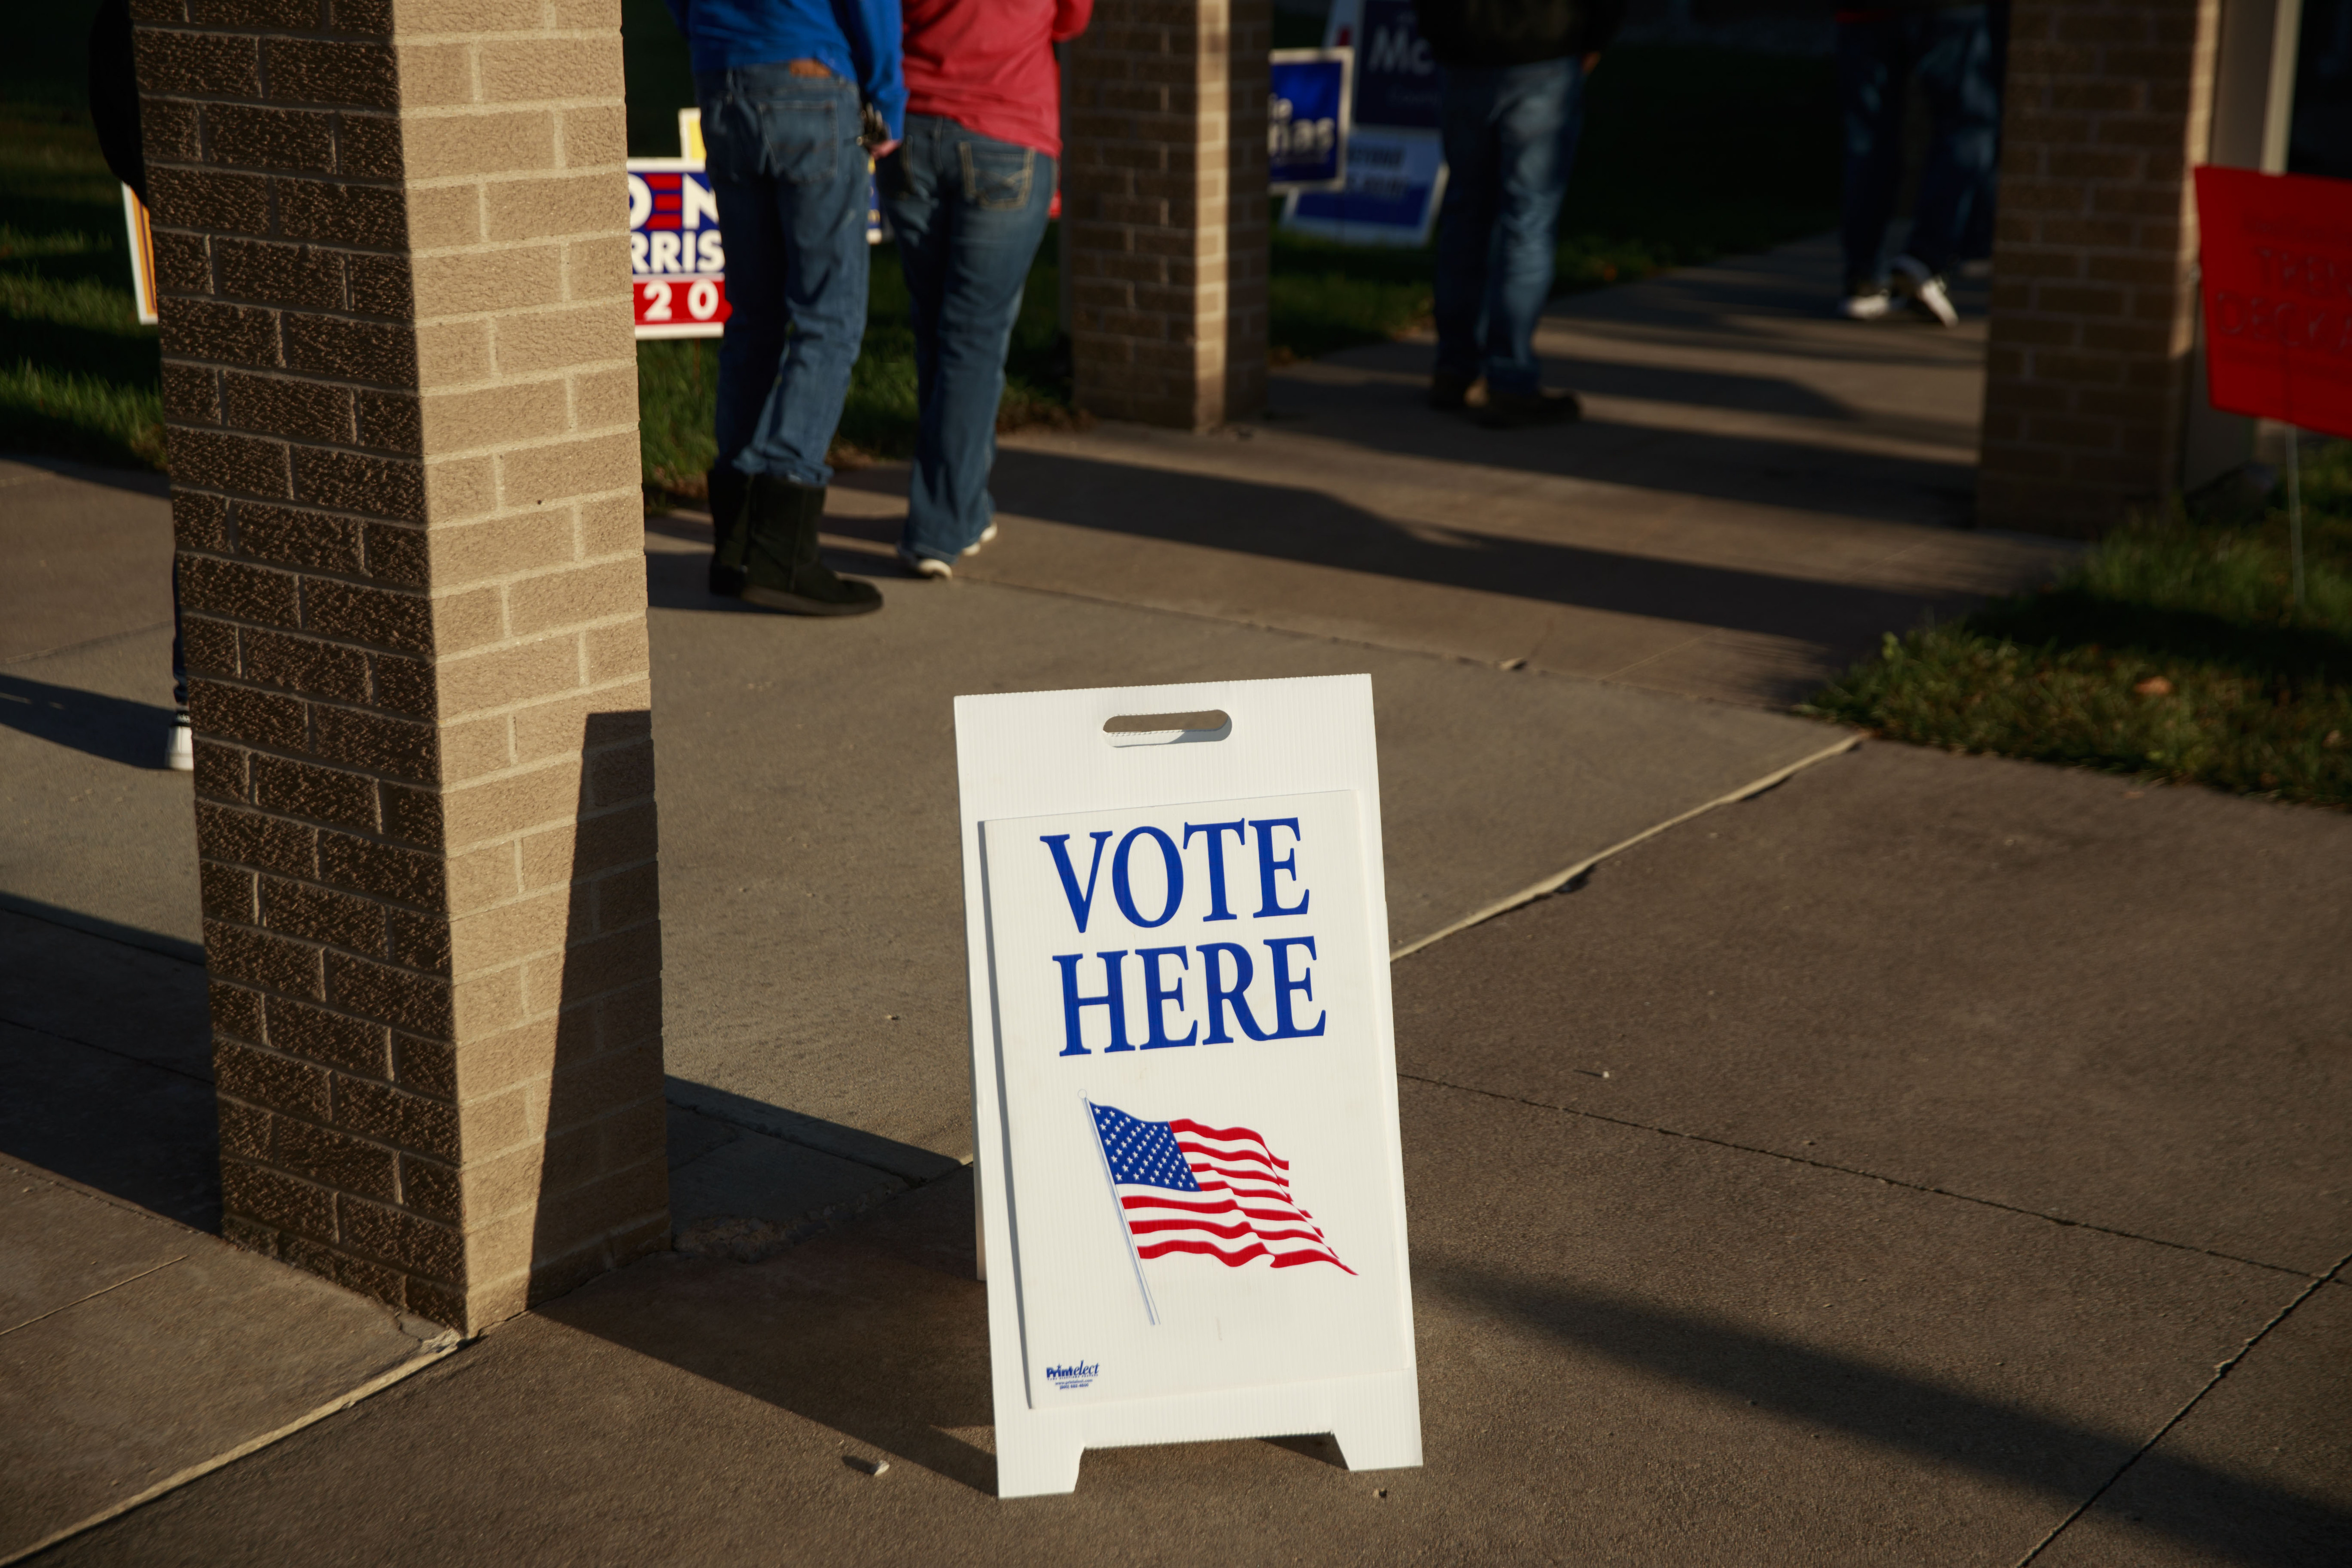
996	175
802	139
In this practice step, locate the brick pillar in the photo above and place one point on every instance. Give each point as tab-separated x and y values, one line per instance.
2094	306
1164	198
402	396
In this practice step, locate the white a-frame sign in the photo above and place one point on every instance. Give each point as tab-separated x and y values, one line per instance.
1184	1072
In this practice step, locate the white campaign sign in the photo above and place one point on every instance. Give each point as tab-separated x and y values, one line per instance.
1192	1197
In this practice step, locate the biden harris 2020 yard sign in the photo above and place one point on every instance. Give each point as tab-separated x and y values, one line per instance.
1184	1081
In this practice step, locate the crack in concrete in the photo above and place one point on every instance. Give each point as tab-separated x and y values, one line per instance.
1854	1171
109	1050
1567	880
2219	1371
94	1295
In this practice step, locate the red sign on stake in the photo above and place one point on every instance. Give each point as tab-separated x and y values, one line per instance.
2277	266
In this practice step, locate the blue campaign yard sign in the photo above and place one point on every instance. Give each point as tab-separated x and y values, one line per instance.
1307	119
1395	174
1397	81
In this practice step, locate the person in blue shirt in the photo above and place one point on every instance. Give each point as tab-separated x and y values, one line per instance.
793	93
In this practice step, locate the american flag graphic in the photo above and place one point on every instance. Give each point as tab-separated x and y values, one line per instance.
1184	1186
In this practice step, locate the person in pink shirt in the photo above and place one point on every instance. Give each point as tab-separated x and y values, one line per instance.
966	191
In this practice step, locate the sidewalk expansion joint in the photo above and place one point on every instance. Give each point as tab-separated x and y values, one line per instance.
2311	1285
10	905
429	1352
776	1131
1568	878
78	646
93	1296
108	1051
1867	1175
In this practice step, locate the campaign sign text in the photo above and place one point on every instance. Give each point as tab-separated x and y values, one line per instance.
1391	196
1184	1076
1398	84
678	263
678	260
2276	260
1394	180
1307	119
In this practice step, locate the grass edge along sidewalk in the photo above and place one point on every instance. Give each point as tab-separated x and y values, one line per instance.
2173	652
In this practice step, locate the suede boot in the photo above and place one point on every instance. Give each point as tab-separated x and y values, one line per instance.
780	564
731	493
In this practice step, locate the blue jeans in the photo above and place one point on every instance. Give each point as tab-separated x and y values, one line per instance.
967	211
790	176
1951	50
1510	135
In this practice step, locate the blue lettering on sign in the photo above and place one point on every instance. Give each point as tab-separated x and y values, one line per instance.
1077	1374
1175	879
674	224
1227	969
1081	905
1398	84
1302	123
1229	998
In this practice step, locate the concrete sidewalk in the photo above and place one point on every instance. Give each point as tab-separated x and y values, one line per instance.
1938	1217
1875	1171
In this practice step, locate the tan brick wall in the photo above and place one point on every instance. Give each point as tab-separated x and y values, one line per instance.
1164	193
2093	298
401	391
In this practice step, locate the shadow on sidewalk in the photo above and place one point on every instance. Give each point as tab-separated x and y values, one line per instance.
105	1060
114	729
2241	1519
879	1331
1285	523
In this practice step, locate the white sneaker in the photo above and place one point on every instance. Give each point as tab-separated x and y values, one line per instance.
924	566
1865	305
180	756
1925	290
986	534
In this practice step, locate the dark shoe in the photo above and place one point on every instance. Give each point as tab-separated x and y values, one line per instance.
780	564
731	493
1510	410
1449	392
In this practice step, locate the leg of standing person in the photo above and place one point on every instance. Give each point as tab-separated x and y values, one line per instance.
788	170
752	346
1955	53
968	211
180	755
1872	73
1976	249
1465	231
1539	110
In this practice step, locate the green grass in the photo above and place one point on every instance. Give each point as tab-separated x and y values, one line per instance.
2173	652
79	377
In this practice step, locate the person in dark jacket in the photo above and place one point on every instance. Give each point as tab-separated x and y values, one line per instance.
1514	102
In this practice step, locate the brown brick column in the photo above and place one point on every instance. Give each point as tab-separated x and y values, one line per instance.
401	395
1164	196
2094	309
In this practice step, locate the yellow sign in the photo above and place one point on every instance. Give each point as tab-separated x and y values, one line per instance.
142	255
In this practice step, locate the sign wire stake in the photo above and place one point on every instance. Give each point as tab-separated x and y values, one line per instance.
2295	507
1118	1213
